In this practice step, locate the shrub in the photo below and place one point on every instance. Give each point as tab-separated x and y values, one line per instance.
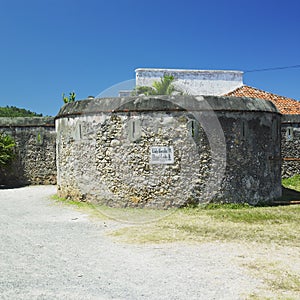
7	145
69	99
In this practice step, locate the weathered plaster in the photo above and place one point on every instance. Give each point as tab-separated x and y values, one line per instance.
194	82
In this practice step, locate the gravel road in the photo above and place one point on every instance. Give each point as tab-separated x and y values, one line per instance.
51	251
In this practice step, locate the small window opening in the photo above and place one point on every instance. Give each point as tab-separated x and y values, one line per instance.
134	130
243	130
289	135
193	128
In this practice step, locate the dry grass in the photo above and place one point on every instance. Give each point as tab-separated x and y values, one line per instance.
228	223
261	227
262	224
280	282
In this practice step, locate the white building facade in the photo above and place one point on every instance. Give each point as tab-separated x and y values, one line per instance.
194	82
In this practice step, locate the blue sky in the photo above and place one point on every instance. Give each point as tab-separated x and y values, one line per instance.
53	46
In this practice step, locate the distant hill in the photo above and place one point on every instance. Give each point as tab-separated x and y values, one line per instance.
12	111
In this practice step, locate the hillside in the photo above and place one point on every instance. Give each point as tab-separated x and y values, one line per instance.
12	111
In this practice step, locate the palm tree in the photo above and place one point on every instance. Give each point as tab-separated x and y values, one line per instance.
162	87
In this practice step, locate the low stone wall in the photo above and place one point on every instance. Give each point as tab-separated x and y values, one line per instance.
107	151
35	161
290	145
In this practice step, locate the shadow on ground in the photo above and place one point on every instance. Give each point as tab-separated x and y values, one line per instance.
12	186
289	196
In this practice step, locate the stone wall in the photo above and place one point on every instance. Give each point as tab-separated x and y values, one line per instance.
93	146
194	82
226	151
290	145
35	161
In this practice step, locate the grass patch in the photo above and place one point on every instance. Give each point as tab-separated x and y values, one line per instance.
206	223
257	215
292	182
229	206
85	207
258	224
71	202
123	215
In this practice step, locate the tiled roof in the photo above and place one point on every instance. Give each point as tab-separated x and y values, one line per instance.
285	105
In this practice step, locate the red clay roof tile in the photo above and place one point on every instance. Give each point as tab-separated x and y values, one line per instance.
285	105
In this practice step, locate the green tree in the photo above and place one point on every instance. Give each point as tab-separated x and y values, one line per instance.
7	145
162	87
12	111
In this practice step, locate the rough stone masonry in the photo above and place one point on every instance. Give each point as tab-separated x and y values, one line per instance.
35	161
290	145
104	149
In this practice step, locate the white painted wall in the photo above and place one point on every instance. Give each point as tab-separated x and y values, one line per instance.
194	82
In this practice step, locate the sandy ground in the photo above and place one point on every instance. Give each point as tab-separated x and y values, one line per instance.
51	251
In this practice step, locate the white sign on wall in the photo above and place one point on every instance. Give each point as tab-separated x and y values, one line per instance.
161	155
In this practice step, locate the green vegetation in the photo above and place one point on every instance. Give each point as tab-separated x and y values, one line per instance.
206	223
7	145
247	214
12	111
292	183
143	90
124	215
71	202
69	99
162	87
257	224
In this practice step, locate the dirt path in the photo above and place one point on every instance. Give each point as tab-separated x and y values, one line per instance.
50	251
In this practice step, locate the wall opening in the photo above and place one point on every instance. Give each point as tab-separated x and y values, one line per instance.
134	130
289	134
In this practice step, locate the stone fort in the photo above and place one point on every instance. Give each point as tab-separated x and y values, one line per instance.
223	141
